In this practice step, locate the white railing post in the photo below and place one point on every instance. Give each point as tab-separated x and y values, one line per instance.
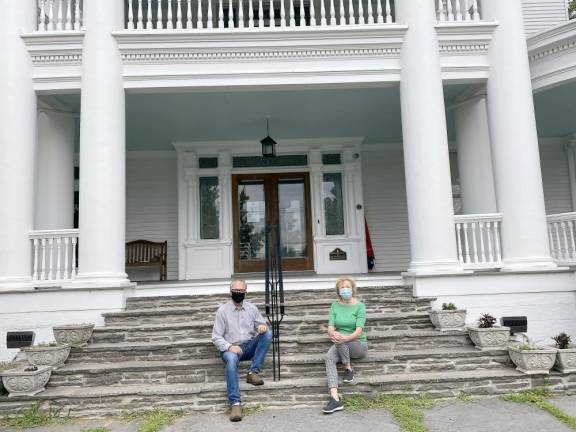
140	24
77	21
130	25
478	240
149	24
562	237
189	13
54	255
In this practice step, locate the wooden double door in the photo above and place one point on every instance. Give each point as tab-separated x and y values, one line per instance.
281	199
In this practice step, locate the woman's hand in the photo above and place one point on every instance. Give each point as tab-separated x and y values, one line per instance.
338	338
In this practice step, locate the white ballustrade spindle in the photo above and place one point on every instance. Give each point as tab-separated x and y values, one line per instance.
54	255
179	25
189	13
140	22
449	10
209	15
261	14
370	13
312	15
149	24
250	14
332	13
77	20
361	19
272	15
130	16
169	16
69	25
478	240
220	14
388	12
562	237
282	14
240	14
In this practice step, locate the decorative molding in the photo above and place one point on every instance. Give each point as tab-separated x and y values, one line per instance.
53	48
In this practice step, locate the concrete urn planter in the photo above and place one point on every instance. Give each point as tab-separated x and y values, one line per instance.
533	361
566	360
493	338
19	382
53	356
76	335
445	320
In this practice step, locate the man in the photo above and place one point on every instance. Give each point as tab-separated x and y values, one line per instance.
240	333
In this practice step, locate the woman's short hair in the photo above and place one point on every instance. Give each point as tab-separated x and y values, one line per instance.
343	279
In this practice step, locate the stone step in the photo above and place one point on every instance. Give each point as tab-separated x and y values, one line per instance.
291	325
164	315
212	300
292	366
106	401
201	348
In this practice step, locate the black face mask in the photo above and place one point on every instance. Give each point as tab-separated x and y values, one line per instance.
238	297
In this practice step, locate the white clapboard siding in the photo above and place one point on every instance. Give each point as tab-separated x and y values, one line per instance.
385	207
152	207
555	178
542	14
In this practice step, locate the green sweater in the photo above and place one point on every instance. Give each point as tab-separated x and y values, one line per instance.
347	318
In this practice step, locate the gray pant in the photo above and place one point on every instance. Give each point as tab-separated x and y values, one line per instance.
342	353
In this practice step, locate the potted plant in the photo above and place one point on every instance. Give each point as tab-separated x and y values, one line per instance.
76	335
572	9
531	358
25	381
486	336
50	354
566	359
449	318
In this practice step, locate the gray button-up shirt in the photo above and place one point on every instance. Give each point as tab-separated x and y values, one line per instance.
235	326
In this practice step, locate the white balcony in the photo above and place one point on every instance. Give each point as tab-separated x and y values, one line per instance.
561	232
54	255
478	241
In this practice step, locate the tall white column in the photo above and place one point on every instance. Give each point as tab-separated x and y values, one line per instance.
17	143
475	157
55	172
514	139
102	149
426	160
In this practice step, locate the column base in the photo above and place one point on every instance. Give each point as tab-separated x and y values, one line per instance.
434	268
529	264
15	283
100	280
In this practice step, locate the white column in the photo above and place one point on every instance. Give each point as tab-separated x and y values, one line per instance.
17	143
55	172
516	159
426	160
475	157
102	149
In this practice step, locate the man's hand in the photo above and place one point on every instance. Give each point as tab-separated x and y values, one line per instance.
262	328
235	349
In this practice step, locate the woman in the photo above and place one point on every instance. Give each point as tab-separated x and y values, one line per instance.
346	331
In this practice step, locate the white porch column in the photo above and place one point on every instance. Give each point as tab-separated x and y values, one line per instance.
426	160
55	172
475	157
515	142
17	143
102	149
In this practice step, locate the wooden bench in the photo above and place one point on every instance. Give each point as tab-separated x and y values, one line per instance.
144	253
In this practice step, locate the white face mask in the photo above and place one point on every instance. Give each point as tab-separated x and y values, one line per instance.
345	293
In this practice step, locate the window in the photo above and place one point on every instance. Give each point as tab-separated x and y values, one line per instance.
333	203
209	208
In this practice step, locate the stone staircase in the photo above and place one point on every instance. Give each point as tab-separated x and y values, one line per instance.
158	353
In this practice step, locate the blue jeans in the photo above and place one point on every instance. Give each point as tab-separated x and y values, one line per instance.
254	350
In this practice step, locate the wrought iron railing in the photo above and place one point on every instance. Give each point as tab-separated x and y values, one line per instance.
274	294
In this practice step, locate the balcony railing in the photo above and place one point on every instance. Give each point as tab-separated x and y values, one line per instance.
458	10
59	15
54	255
478	240
562	235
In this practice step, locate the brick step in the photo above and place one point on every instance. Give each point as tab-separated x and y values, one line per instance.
212	300
291	325
164	315
200	348
106	401
292	366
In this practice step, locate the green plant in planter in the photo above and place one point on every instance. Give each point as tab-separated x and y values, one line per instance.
4	366
486	321
572	9
562	340
449	306
46	345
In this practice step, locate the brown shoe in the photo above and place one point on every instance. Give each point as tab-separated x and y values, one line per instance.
235	413
254	379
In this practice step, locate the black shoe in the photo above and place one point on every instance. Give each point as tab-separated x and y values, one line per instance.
348	376
332	406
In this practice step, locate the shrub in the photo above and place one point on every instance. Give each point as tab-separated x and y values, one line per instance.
486	321
562	340
449	306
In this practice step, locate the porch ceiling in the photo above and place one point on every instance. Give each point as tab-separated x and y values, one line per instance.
156	120
556	111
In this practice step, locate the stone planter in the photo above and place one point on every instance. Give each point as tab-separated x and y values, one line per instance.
445	320
76	335
533	361
21	383
566	360
53	356
493	338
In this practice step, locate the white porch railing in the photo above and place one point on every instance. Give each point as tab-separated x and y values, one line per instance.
59	15
458	10
54	255
233	14
561	233
478	240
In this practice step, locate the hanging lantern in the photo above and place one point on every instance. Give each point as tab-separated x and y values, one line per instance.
268	144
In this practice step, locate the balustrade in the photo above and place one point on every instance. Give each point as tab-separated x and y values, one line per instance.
54	255
562	235
458	10
478	240
59	15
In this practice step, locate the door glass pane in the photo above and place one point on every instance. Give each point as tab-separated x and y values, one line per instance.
252	223
292	217
333	203
209	208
